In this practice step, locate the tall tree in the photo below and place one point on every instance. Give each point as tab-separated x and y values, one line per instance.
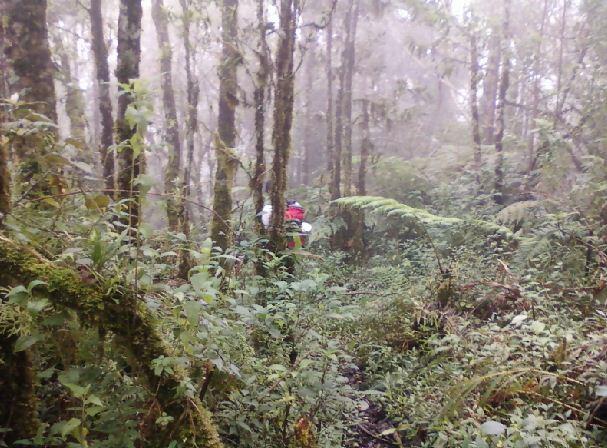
192	127
365	148
474	81
339	108
227	160
535	95
308	125
5	179
490	86
329	112
349	64
131	156
25	45
26	49
102	71
172	187
283	118
501	106
260	112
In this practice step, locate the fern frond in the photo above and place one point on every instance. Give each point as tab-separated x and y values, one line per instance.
411	215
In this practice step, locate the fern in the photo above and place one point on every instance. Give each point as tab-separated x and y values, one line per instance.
411	215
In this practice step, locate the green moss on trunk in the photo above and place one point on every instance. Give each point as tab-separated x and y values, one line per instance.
124	314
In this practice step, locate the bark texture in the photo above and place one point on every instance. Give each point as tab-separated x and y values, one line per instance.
27	52
329	113
103	88
474	81
260	113
192	127
349	61
130	157
227	160
283	119
172	187
490	86
501	108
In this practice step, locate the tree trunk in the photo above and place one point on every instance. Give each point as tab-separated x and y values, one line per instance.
308	125
283	119
74	100
535	96
28	52
124	314
365	149
349	65
227	161
560	97
501	108
131	157
100	54
192	127
31	76
172	187
260	109
474	78
490	86
5	178
329	114
339	108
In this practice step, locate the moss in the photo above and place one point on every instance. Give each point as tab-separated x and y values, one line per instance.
122	313
17	392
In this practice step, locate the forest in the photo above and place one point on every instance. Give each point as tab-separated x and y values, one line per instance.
303	223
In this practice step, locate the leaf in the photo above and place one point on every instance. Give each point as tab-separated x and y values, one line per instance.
518	320
18	294
537	327
96	201
34	283
94	399
26	341
192	311
35	306
493	428
65	427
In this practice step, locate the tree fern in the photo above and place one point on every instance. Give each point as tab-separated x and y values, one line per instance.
391	208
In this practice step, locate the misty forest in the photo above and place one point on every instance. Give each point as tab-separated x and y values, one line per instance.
303	223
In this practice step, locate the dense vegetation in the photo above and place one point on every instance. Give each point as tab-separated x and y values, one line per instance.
450	155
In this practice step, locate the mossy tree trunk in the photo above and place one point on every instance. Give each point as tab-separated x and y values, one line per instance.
193	93
342	179
124	314
474	81
5	178
26	49
130	157
102	70
308	126
227	161
74	98
260	113
172	187
283	119
501	107
329	113
490	85
349	61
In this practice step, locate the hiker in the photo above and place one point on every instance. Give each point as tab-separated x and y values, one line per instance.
298	230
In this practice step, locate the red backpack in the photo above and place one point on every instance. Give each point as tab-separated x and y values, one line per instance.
294	212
